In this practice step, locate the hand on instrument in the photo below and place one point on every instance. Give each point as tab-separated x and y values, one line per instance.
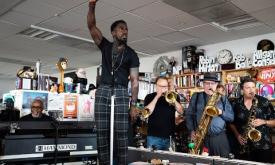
241	140
159	93
220	111
134	112
258	122
193	135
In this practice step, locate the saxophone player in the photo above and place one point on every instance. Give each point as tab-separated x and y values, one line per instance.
215	138
161	122
253	111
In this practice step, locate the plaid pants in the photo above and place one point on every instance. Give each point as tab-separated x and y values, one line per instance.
102	119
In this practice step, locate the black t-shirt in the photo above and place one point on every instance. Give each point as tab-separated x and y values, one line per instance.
42	118
161	122
264	110
126	60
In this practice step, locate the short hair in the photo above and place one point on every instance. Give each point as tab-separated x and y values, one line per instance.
62	59
39	101
245	80
114	25
161	78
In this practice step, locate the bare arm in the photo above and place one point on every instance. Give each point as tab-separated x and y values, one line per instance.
134	73
179	107
134	76
234	130
151	106
238	136
94	31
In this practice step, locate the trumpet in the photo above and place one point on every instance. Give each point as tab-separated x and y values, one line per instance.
171	97
144	113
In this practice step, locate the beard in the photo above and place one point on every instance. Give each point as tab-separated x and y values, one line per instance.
121	41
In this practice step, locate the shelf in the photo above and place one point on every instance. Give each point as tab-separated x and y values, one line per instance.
189	88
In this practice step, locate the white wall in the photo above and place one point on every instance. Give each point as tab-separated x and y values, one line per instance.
91	74
244	46
6	86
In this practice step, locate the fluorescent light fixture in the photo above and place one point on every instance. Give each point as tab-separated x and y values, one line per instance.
239	23
61	33
221	27
48	34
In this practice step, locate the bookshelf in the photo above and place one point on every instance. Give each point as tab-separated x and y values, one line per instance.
265	77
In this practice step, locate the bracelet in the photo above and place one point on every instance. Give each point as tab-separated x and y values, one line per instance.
133	103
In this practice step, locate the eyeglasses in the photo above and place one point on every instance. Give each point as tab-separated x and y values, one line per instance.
36	107
209	83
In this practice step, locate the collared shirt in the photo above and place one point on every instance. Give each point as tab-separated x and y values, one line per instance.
195	110
263	110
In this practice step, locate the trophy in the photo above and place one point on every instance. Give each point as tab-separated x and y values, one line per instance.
62	65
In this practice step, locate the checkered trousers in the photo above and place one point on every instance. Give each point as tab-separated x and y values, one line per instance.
102	118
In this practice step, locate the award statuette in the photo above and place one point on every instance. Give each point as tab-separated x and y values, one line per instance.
62	65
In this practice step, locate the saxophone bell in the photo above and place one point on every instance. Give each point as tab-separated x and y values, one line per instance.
254	135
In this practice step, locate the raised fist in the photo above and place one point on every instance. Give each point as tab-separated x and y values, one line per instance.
92	2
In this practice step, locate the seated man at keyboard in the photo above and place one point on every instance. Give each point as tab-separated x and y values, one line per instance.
36	112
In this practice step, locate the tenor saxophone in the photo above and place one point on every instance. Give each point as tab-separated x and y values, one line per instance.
251	132
209	112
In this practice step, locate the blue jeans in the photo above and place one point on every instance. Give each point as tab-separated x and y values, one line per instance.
158	142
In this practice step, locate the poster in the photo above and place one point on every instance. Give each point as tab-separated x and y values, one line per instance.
70	106
86	108
267	91
56	106
29	97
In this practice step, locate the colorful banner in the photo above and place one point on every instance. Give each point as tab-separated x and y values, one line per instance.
266	75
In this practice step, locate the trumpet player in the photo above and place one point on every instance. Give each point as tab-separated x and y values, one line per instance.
215	138
161	122
253	111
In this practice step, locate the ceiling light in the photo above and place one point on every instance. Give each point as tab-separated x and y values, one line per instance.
221	27
61	33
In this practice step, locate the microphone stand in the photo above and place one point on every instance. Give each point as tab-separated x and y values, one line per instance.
112	118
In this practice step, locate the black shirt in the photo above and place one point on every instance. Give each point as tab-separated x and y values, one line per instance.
126	60
42	118
161	122
264	110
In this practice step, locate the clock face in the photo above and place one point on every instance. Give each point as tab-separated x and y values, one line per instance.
225	56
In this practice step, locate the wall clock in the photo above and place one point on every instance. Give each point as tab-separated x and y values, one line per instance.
224	56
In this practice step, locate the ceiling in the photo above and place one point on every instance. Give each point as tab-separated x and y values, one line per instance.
155	26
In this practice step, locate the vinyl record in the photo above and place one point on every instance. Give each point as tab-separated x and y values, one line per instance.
265	45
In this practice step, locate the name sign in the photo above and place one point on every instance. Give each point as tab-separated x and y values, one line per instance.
208	64
263	58
240	61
